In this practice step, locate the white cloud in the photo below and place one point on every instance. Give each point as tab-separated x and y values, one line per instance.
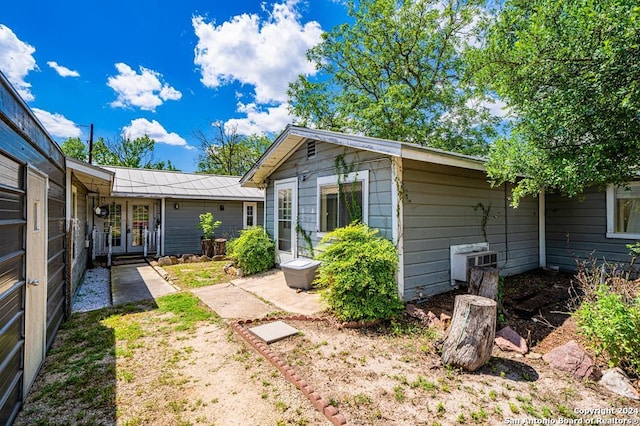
264	53
57	125
144	90
62	70
141	126
260	120
16	61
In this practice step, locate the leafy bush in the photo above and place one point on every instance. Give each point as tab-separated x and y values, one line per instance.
609	313
208	225
358	274
253	251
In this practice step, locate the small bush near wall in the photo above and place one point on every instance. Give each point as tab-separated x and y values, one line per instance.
609	315
358	274
253	251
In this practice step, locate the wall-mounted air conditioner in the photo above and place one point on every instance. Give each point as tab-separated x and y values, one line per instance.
464	257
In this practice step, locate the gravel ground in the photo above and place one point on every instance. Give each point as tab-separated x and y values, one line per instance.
94	292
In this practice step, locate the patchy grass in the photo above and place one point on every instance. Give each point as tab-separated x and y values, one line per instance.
194	275
186	309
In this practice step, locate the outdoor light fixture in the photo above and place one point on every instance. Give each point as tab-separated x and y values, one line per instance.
221	207
176	206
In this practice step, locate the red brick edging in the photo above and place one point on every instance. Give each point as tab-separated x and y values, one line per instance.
321	404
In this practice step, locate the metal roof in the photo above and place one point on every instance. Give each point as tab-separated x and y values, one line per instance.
168	184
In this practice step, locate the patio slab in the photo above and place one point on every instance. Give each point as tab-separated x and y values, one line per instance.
273	331
273	288
231	302
137	282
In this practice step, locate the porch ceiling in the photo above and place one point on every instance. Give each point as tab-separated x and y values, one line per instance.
96	179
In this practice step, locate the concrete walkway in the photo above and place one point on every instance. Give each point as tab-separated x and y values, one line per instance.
243	298
137	282
254	297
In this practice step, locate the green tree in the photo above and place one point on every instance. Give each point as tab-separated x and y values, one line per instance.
397	72
125	152
568	70
228	152
75	148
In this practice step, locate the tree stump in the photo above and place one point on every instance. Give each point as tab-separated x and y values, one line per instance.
484	282
469	340
207	248
219	247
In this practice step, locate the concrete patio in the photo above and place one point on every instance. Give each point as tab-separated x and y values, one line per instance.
243	298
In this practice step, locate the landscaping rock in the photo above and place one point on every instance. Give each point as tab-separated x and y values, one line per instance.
428	318
617	382
218	257
167	261
510	341
571	358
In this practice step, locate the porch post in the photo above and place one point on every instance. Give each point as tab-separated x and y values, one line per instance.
94	238
163	213
110	237
158	232
145	241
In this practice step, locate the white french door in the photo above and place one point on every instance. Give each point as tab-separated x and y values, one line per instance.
285	215
139	216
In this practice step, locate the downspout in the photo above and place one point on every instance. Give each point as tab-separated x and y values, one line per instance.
542	237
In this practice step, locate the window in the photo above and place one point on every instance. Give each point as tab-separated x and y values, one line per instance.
250	211
623	211
340	203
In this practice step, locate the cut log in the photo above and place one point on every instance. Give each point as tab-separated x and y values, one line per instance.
207	248
484	282
469	340
219	247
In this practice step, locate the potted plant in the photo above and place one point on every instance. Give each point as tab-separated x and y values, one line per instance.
208	226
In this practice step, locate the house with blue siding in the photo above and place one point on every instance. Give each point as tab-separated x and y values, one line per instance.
436	206
129	211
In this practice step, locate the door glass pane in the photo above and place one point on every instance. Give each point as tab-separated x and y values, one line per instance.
114	219
284	219
140	222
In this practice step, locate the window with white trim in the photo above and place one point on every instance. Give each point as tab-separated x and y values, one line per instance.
342	201
249	214
623	211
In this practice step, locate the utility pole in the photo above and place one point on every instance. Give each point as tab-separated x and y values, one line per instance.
91	143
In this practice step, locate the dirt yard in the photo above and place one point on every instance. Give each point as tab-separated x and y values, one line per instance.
153	364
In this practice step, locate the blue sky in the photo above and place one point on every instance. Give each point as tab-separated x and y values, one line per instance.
162	67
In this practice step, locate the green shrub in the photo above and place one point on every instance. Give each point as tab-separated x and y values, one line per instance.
611	324
253	251
358	274
208	225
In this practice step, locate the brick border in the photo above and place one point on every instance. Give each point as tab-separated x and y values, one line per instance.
319	403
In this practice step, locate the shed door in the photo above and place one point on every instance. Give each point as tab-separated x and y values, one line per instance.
285	216
36	277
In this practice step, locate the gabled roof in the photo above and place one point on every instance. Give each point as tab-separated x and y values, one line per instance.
293	137
168	184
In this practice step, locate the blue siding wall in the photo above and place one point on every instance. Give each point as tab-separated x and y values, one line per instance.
182	234
442	208
323	164
576	229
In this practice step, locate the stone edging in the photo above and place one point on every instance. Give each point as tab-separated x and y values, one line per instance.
319	403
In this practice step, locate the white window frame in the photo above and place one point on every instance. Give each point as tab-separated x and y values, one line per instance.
611	214
361	176
246	204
